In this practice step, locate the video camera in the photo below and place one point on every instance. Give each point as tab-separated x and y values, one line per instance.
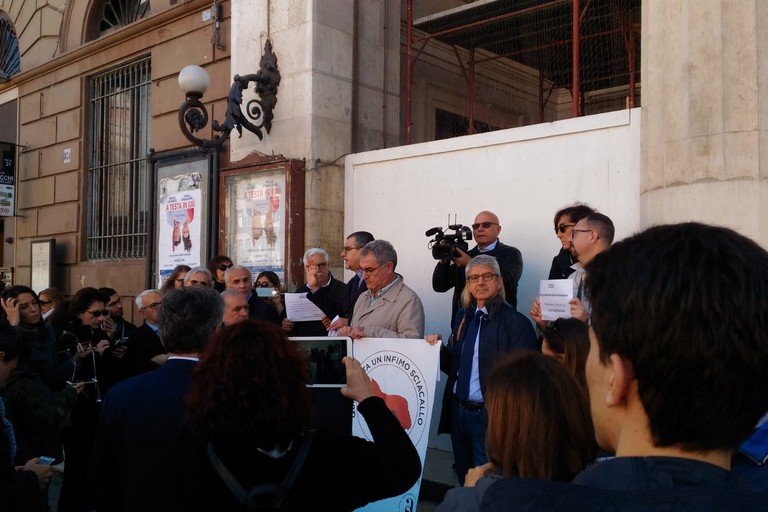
444	246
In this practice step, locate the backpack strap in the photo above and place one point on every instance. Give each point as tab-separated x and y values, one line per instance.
280	500
280	491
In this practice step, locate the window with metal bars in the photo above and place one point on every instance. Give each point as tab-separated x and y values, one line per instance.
118	173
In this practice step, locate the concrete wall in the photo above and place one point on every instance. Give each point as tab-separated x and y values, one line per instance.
705	121
523	174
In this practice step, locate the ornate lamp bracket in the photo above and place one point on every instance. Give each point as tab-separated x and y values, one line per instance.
257	115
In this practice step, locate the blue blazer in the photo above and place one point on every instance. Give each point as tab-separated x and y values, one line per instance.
503	331
138	442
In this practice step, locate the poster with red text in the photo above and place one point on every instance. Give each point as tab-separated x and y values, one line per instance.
404	374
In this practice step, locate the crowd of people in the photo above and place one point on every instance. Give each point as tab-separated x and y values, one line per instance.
649	392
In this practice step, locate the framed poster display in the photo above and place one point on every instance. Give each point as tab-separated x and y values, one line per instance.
184	211
256	220
42	263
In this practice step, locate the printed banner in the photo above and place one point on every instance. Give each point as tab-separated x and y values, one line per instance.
404	373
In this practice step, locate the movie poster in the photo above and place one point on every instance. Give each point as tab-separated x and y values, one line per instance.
179	222
256	221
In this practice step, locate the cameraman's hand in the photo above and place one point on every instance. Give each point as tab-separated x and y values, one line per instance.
462	259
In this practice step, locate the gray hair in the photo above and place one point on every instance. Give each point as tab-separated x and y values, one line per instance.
195	270
187	317
229	292
312	252
139	300
235	268
484	260
382	251
481	260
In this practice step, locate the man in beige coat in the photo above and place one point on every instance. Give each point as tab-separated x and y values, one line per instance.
388	309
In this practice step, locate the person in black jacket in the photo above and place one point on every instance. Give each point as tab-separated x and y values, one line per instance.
486	329
565	220
450	273
258	433
20	487
325	291
677	375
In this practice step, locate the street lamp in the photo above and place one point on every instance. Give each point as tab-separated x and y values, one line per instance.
193	115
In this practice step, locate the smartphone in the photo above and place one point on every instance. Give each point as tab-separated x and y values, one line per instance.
121	341
45	460
266	292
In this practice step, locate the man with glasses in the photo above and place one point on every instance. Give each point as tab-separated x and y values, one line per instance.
589	237
450	273
356	285
144	352
388	308
565	220
115	324
326	292
240	279
487	329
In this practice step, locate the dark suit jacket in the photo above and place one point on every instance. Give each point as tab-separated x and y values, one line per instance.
143	344
354	290
136	452
331	299
258	309
503	331
448	275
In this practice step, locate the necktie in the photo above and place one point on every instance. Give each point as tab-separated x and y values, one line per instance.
467	354
6	425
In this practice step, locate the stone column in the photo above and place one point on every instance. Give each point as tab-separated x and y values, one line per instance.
704	67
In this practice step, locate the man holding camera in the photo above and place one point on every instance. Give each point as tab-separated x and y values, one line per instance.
450	273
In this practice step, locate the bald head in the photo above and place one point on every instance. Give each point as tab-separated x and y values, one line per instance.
486	228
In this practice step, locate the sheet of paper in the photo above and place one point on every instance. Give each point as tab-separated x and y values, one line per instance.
333	332
554	295
298	308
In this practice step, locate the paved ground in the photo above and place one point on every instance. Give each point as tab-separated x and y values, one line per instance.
437	479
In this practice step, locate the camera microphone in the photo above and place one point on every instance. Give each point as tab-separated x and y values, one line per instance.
432	231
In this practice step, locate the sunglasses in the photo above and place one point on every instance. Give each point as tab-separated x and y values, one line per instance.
224	266
485	225
562	227
103	312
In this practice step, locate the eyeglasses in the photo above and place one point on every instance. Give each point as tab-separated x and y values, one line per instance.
574	231
562	227
349	249
370	271
318	266
224	266
485	277
103	312
485	225
264	284
154	305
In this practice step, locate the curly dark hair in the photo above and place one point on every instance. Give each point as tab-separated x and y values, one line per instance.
251	379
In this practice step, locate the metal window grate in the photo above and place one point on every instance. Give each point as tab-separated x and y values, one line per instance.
118	173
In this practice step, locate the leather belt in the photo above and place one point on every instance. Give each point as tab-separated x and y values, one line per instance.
470	405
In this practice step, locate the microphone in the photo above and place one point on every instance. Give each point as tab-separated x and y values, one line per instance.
432	231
